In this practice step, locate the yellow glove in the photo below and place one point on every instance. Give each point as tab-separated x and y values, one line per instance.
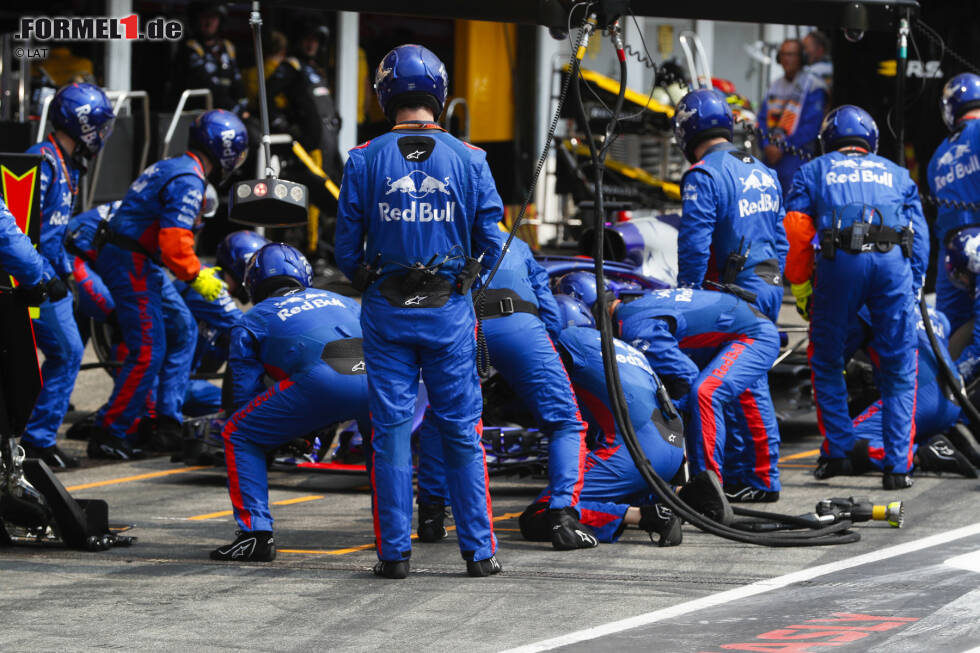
208	284
803	293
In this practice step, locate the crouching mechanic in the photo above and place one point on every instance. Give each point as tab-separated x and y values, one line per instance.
82	117
865	211
521	321
309	341
417	209
153	228
936	415
614	494
713	351
731	227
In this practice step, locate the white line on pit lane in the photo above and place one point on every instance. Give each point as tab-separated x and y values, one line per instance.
759	587
967	561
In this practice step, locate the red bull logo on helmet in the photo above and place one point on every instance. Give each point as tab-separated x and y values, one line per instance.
88	132
229	158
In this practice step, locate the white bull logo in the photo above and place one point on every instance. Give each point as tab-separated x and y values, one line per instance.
953	154
757	180
417	184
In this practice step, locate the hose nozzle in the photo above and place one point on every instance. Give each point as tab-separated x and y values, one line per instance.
861	509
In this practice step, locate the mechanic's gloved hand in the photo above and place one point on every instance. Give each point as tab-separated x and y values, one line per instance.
803	292
208	284
57	289
32	295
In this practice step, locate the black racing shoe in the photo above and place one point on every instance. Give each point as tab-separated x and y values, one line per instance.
52	456
896	481
249	546
661	520
160	434
481	568
432	526
396	569
743	493
831	467
567	532
703	493
939	455
962	438
109	447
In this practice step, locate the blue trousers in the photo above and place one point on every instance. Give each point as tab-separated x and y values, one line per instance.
732	392
612	482
521	350
955	303
57	336
882	281
160	334
439	342
293	407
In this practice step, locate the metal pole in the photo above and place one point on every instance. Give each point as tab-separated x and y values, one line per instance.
900	72
255	20
6	74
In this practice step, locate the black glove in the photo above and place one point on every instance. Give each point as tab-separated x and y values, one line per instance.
57	289
32	295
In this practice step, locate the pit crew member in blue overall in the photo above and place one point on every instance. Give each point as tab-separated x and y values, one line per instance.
865	211
614	493
309	341
153	228
731	226
20	260
712	349
935	413
521	321
954	176
82	117
414	205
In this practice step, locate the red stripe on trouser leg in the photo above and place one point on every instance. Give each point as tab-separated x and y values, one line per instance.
234	489
915	394
709	434
486	486
143	356
582	449
374	497
597	519
760	437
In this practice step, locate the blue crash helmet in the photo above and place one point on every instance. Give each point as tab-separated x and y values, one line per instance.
573	312
700	115
848	125
83	112
222	137
962	258
410	75
274	266
960	94
235	251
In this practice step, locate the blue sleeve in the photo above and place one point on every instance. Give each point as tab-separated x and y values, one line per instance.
50	245
799	197
17	254
653	338
247	371
182	198
920	244
489	211
811	116
782	243
763	122
547	306
349	239
700	207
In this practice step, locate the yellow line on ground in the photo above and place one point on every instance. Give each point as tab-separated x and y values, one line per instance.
284	502
798	466
364	547
140	477
802	454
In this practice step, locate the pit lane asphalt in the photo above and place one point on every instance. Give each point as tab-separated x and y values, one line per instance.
163	593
